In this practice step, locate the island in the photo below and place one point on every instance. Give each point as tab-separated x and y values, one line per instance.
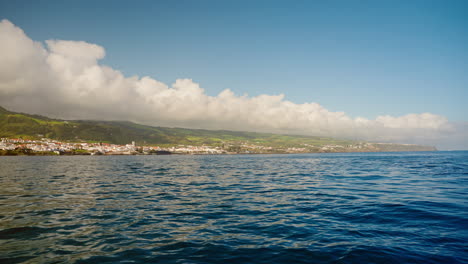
27	134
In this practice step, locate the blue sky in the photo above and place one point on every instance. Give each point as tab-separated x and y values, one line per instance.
366	58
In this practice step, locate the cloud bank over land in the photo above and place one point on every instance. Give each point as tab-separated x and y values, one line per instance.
64	79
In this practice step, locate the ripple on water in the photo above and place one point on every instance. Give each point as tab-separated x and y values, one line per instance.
316	208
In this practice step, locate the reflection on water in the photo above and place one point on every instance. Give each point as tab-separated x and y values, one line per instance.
320	208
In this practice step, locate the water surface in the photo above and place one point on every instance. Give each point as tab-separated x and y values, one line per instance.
314	208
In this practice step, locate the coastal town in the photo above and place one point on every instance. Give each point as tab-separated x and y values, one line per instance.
46	146
49	146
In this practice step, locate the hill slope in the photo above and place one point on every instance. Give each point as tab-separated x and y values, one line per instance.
15	125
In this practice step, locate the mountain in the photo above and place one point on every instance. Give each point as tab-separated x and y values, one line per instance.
29	126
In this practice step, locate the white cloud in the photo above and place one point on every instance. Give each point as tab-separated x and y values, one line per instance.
424	120
64	79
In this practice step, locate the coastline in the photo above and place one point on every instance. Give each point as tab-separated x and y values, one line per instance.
50	147
2	154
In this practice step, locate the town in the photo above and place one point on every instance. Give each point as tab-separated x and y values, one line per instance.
46	146
49	146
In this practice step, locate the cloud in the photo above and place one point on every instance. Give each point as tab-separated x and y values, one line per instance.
64	79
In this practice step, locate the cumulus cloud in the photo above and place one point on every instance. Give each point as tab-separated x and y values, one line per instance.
64	79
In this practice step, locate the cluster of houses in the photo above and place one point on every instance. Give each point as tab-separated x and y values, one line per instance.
356	147
49	145
57	147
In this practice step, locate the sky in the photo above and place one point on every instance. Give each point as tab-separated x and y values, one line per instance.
391	71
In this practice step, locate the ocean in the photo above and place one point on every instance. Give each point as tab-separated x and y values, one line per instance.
304	208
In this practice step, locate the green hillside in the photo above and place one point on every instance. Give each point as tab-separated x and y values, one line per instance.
18	125
27	126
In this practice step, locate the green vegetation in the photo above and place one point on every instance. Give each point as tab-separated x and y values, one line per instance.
16	125
26	152
26	126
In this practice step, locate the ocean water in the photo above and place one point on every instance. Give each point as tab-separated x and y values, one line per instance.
313	208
